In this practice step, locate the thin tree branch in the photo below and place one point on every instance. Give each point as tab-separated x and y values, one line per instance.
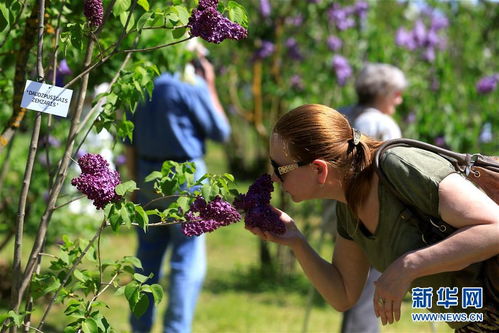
16	297
161	198
70	201
157	46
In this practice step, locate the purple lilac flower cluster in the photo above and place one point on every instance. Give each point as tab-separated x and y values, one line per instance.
334	43
265	50
206	22
487	84
424	36
294	51
97	181
344	17
62	70
49	141
205	217
296	82
342	69
265	8
94	12
256	205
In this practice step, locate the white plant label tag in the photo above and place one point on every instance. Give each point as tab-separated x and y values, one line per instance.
46	98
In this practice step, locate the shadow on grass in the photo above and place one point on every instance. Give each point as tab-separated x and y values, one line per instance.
254	280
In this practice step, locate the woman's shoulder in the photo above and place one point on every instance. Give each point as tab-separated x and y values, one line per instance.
410	160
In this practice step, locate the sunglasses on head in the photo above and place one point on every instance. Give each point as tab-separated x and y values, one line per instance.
281	170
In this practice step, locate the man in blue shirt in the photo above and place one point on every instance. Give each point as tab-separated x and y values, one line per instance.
183	113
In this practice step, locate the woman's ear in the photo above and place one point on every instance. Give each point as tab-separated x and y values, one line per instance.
321	167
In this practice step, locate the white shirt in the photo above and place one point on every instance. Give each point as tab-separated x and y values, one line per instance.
373	123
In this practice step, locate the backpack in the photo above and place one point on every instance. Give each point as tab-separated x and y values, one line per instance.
483	171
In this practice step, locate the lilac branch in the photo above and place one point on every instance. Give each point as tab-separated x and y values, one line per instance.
16	296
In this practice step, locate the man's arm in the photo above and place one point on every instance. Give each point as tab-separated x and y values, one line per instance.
209	76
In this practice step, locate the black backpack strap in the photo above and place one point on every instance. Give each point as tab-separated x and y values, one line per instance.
433	229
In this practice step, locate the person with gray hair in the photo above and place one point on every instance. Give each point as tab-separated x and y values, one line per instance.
379	89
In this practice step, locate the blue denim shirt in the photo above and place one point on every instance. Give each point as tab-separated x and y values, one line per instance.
177	120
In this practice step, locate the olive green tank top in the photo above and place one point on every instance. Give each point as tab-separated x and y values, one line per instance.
416	174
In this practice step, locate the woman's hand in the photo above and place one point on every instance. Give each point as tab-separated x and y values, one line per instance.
289	238
389	291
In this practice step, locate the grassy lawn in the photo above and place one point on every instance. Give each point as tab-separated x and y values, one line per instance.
235	297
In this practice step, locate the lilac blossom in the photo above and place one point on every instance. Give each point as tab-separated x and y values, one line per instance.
265	8
342	69
343	17
410	118
206	22
424	38
49	141
439	22
97	181
334	43
404	38
361	8
296	82
296	21
204	217
440	141
120	159
486	135
487	84
429	54
94	12
266	50
294	51
256	205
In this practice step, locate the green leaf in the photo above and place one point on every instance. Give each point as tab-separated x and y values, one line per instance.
206	191
141	217
16	318
237	13
89	326
157	292
132	294
124	129
80	276
125	187
131	22
229	177
153	175
134	261
114	216
143	20
125	215
183	202
179	33
144	4
120	6
141	306
3	317
141	278
4	17
183	14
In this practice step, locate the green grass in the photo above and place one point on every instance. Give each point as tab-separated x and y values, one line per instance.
235	297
